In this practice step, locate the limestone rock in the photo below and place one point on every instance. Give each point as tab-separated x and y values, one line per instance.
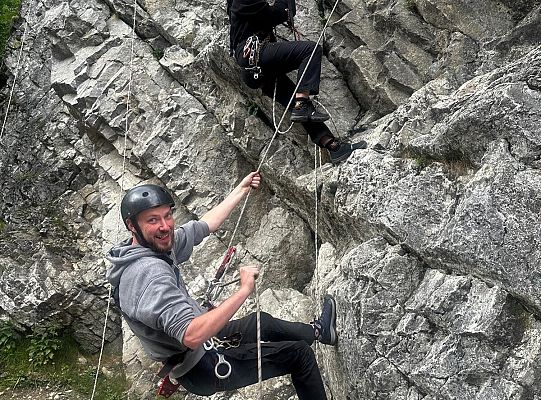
429	239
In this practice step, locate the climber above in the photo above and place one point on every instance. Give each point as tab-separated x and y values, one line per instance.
265	63
202	349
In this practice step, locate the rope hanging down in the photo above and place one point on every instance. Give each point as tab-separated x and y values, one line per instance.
230	247
17	68
227	261
119	193
276	131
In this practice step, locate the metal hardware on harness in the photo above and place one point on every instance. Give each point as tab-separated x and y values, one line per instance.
251	52
218	345
215	285
222	362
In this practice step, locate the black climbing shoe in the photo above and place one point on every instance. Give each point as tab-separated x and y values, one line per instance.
304	111
325	325
340	151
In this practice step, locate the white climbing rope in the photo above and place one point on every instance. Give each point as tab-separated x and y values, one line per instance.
276	130
17	68
330	115
274	111
259	357
128	100
317	157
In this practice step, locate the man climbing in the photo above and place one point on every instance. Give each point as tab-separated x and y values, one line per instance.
202	349
265	63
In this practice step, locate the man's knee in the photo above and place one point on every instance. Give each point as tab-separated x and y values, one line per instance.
304	350
309	48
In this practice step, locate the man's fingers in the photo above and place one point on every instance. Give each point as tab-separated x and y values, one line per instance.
256	180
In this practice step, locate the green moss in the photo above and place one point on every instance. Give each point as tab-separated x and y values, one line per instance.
253	108
63	370
8	11
422	161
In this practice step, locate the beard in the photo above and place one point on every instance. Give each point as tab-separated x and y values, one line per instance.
158	247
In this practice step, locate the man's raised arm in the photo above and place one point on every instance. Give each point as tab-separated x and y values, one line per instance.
216	216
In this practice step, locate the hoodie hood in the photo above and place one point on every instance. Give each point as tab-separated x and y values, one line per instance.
122	255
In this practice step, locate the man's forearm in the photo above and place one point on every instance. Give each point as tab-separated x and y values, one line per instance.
216	216
209	324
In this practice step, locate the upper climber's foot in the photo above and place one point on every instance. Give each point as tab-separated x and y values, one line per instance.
341	151
304	111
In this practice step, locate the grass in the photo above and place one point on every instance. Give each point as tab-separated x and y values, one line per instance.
9	9
69	369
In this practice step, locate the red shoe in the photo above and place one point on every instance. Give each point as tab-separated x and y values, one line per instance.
167	388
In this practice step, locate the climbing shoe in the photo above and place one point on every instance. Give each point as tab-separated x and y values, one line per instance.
340	151
325	325
304	111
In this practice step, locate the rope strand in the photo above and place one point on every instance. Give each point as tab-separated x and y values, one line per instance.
263	158
128	100
17	67
259	357
298	84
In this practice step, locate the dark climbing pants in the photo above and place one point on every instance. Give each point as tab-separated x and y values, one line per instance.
286	351
276	60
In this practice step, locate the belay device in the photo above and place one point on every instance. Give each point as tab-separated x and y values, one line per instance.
215	285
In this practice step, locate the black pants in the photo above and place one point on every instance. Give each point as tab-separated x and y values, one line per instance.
286	351
276	60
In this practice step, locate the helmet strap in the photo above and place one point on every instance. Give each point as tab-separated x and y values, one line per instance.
139	234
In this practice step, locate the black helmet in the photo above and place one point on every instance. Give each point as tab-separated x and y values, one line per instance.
141	198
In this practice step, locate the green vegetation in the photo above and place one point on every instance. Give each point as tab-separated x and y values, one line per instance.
422	162
8	11
253	108
44	345
51	357
158	53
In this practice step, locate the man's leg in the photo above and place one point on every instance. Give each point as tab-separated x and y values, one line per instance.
286	352
294	358
272	329
279	58
318	131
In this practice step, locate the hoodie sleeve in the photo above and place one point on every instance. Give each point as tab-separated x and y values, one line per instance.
188	236
157	302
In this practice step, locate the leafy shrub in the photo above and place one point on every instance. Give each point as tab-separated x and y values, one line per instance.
8	10
44	344
8	337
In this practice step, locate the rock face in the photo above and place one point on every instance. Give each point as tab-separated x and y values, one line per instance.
429	239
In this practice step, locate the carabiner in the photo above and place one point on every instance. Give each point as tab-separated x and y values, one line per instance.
222	361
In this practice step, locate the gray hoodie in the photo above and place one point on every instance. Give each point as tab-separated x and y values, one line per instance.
153	297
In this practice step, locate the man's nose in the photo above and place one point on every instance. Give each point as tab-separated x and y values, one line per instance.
163	224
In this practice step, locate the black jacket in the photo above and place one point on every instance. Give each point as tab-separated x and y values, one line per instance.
254	17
